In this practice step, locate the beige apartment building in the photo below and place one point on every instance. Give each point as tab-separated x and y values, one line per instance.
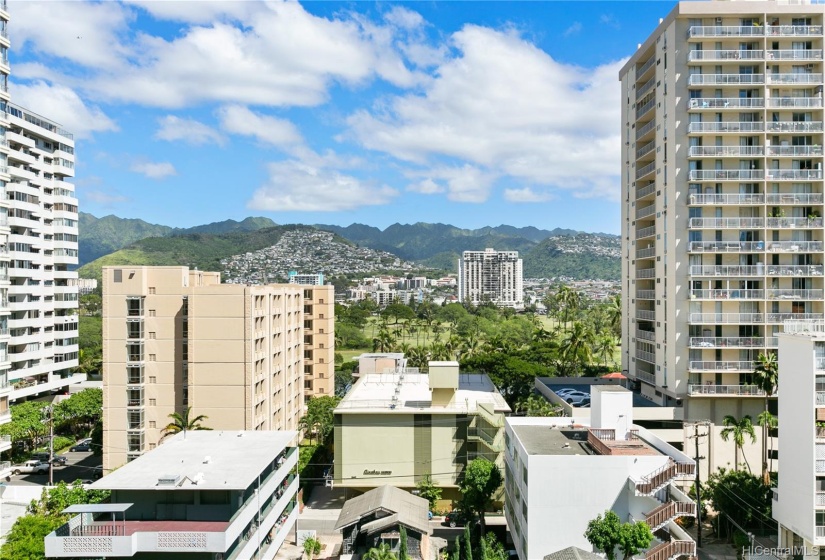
722	201
175	338
319	339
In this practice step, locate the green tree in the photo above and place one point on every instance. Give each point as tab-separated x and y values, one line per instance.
27	423
614	314
737	430
83	408
633	538
605	533
577	347
768	422
382	552
491	549
25	541
741	496
402	544
398	312
457	551
383	341
482	479
182	423
90	305
468	543
311	547
535	405
319	418
54	500
604	347
569	301
429	491
766	375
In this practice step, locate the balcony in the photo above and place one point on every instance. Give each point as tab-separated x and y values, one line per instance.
646	170
726	103
726	175
794	174
725	318
646	335
726	151
793	126
720	366
646	87
784	223
649	231
725	246
714	55
646	273
793	151
646	149
644	109
725	79
649	378
726	223
794	270
726	270
646	253
696	31
794	78
648	357
646	211
795	54
645	294
820	499
725	126
644	191
794	30
726	390
795	294
779	318
820	395
794	102
794	198
727	294
645	67
727	342
645	315
643	130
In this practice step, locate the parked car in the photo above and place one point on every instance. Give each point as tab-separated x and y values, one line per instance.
580	401
97	473
81	447
575	396
562	392
57	460
457	517
31	467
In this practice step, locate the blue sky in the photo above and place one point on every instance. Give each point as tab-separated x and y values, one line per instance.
469	113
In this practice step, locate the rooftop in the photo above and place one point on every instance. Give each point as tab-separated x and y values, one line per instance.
553	440
206	460
380	392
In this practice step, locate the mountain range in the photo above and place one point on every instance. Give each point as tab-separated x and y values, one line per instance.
546	253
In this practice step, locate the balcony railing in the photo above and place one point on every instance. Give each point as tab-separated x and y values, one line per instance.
726	103
820	532
726	175
793	126
795	294
725	246
795	54
725	31
795	78
645	335
641	111
793	102
645	294
649	378
820	468
794	198
727	342
648	357
820	395
779	318
723	151
645	67
779	223
646	252
700	365
644	129
726	223
820	499
646	87
793	30
646	149
727	270
725	318
646	211
646	273
794	174
644	191
794	270
724	79
727	294
645	232
726	126
642	171
736	390
724	54
645	315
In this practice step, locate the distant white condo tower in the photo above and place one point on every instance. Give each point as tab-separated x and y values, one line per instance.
490	275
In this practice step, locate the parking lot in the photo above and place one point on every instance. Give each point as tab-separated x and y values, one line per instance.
78	466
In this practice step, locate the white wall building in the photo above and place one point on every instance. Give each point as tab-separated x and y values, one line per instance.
491	275
219	493
722	200
799	501
306	279
562	472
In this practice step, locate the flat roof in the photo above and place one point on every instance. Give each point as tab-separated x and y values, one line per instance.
540	439
235	459
386	392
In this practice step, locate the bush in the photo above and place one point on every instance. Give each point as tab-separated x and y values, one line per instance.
60	442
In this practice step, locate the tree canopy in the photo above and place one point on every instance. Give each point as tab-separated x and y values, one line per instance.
481	480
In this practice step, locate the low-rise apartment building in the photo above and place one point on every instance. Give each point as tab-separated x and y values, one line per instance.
203	494
562	472
799	500
175	338
398	427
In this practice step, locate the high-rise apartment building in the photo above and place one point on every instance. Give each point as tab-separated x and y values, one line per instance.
175	338
311	279
490	275
722	196
319	340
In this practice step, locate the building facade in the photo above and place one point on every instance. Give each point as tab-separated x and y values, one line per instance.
722	194
799	499
175	338
306	279
203	494
397	427
319	340
562	472
491	276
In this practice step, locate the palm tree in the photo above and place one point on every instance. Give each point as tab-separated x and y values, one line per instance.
577	347
604	347
383	552
768	422
417	357
383	341
737	430
87	362
182	423
766	375
570	301
614	313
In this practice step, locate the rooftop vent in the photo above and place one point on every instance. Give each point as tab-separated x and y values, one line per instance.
207	459
169	480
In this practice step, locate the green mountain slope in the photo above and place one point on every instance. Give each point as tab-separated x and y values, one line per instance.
581	256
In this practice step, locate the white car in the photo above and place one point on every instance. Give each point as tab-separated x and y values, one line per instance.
31	467
575	396
562	392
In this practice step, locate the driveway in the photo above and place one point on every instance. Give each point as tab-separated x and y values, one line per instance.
78	466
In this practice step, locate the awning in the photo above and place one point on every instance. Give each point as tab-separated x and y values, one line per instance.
97	508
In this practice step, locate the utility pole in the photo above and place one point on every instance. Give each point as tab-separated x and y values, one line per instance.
695	437
50	410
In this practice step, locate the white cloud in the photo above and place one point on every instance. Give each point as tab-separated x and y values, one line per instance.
104	199
574	28
82	32
198	11
295	186
503	107
526	195
404	18
189	131
64	106
270	130
154	170
427	186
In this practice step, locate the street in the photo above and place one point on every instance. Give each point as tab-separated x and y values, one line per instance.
78	466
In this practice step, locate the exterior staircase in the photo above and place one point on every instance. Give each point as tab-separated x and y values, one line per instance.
661	477
671	550
668	511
